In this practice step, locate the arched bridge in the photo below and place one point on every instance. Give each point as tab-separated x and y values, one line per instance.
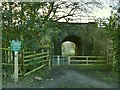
76	33
88	49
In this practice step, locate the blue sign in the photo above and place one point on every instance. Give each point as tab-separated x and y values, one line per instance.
15	45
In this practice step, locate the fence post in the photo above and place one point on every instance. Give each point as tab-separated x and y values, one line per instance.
42	58
69	60
6	56
58	60
22	62
9	55
49	58
87	60
16	67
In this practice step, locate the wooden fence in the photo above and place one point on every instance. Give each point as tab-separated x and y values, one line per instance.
7	62
28	61
89	61
84	61
35	60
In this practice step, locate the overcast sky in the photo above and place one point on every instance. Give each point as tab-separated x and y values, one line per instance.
105	12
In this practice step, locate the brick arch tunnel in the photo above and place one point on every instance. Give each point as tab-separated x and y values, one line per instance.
77	41
84	45
72	38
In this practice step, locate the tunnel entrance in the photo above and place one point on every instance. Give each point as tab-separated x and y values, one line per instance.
74	44
68	48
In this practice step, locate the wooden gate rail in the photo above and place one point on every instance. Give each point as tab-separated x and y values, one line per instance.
81	61
35	60
7	56
26	59
87	60
7	62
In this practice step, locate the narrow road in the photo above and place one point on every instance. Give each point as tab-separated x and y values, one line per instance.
67	78
73	79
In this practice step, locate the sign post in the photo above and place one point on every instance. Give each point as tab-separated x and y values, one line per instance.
16	67
16	47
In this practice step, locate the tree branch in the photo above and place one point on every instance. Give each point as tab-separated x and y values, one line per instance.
64	17
50	10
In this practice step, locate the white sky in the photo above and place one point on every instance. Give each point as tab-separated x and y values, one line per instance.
101	13
106	11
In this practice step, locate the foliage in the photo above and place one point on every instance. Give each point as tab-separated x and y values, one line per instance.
112	30
31	22
18	25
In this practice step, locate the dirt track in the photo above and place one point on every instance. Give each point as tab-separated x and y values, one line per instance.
67	79
73	79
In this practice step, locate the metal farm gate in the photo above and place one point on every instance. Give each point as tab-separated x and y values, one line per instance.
59	60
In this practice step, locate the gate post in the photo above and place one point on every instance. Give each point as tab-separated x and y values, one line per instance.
16	67
87	60
22	62
49	57
9	55
58	60
69	60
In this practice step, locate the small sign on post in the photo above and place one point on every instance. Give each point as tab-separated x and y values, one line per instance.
16	47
